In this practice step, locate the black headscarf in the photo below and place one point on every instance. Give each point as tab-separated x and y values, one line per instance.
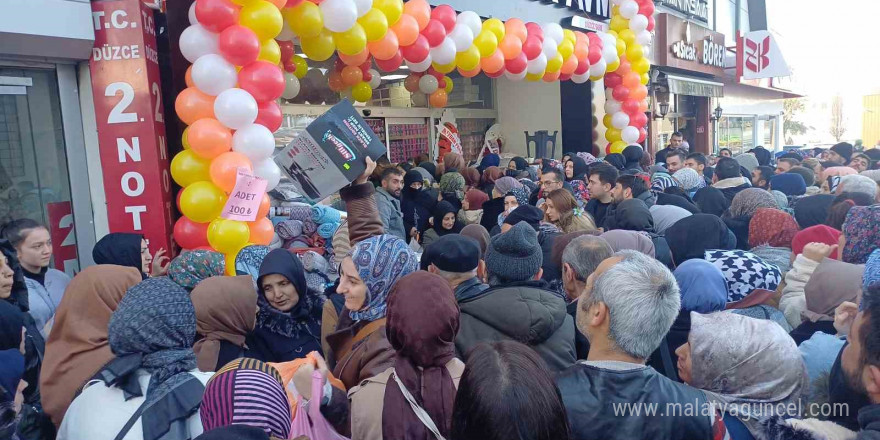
692	236
11	323
121	249
631	215
302	318
812	210
430	167
440	211
676	200
580	169
521	164
762	155
632	155
616	160
711	200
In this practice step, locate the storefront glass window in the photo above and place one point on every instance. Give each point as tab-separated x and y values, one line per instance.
34	181
736	133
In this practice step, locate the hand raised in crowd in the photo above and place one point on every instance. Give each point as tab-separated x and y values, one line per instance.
818	251
844	315
371	166
159	266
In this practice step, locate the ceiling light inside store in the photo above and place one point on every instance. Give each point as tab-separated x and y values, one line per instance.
393	77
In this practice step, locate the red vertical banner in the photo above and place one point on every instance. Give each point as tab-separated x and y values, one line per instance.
63	237
130	120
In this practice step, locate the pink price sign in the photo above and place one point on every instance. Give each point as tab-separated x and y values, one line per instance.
244	200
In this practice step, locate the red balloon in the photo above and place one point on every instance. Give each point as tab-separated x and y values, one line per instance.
441	84
517	65
651	23
418	51
445	15
629	106
594	38
496	74
435	73
643	134
239	45
563	77
368	76
392	64
189	234
338	65
289	66
612	80
608	149
595	54
269	115
534	29
263	80
532	47
639	119
582	68
620	93
286	49
435	32
646	9
366	66
216	15
293	3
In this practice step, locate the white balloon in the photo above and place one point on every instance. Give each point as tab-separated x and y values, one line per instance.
644	38
619	120
339	15
609	93
267	169
471	20
610	55
599	68
196	41
629	9
421	66
236	108
212	74
537	65
291	86
617	2
516	76
428	84
286	33
192	14
647	52
580	79
363	6
376	80
629	135
254	141
462	36
638	23
444	53
554	32
551	47
612	107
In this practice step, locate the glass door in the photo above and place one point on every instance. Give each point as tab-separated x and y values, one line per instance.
34	178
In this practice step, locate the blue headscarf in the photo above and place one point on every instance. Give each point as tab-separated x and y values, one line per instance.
489	160
703	287
249	259
380	261
790	184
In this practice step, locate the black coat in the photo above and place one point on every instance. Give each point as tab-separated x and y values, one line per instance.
491	210
807	329
268	346
740	228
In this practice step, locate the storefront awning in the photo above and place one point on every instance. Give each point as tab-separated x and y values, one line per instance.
683	85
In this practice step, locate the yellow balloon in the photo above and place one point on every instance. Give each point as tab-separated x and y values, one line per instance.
469	59
375	24
243	2
228	236
486	42
534	77
318	48
613	33
634	52
352	41
569	36
184	140
305	19
202	202
606	120
444	68
495	26
618	23
566	48
628	37
612	134
613	67
392	9
644	78
361	92
230	264
595	78
449	84
188	168
641	65
554	64
270	51
618	146
263	18
615	10
620	46
302	66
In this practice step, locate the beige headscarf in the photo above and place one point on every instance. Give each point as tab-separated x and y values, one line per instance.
77	347
226	310
832	283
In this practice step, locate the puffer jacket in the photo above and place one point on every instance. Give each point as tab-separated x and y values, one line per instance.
525	312
793	300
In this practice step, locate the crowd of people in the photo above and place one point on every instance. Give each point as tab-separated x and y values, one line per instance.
633	296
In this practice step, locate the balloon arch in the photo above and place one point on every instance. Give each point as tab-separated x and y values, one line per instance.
243	61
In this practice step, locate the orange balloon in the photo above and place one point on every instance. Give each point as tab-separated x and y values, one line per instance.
278	3
262	231
265	204
335	82
551	77
439	98
570	65
517	28
470	73
640	92
354	60
208	138
386	48
582	51
352	75
192	104
643	106
420	10
632	80
224	169
510	46
189	77
493	63
581	38
407	29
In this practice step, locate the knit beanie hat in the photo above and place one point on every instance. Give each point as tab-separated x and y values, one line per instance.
515	255
844	149
527	214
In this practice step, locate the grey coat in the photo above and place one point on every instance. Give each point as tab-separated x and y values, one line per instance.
44	300
390	213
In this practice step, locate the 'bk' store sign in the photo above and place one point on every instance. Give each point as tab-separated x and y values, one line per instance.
131	125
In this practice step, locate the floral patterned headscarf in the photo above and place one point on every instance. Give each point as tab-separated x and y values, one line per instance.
380	261
862	233
191	267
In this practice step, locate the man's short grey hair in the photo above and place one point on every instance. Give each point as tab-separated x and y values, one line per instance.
860	184
585	253
455	276
643	300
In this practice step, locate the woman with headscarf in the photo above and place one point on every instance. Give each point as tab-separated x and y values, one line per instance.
415	204
745	272
689	180
425	366
489	160
561	210
576	170
192	267
224	318
514	198
471	177
452	189
770	234
831	283
632	155
692	236
809	248
249	259
230	399
12	365
472	207
841	206
445	222
631	215
151	334
747	161
453	162
621	240
288	324
743	365
742	208
666	216
123	249
790	184
77	347
861	235
616	160
490	176
516	166
812	210
711	201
